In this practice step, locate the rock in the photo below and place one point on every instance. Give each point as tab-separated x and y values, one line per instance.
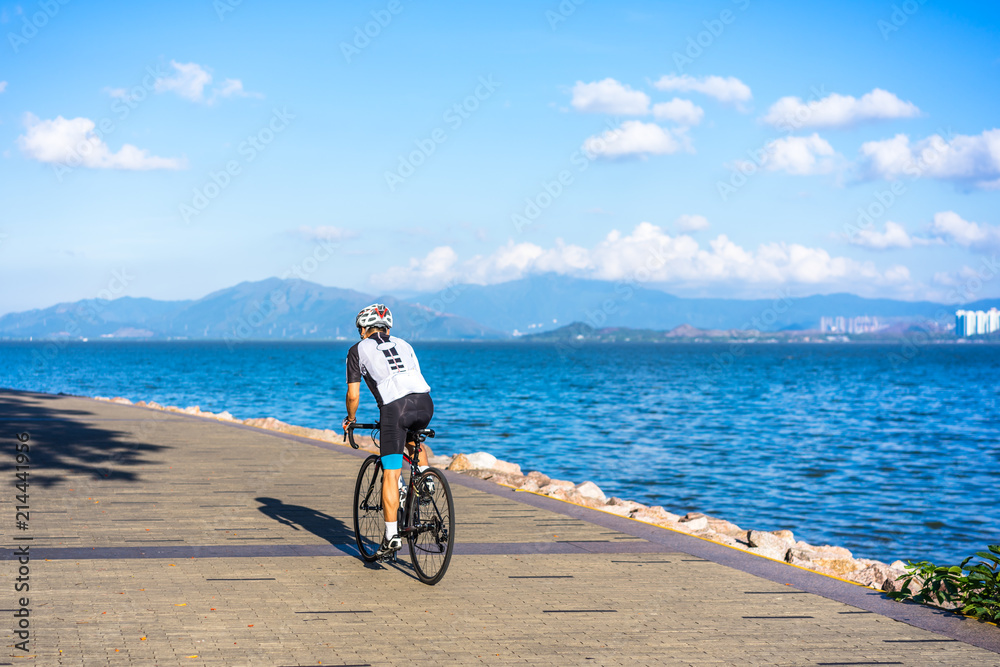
769	544
622	507
154	405
225	416
898	565
785	535
497	477
192	410
827	559
893	585
875	575
591	491
507	467
439	461
556	485
723	527
541	478
482	460
694	521
460	462
121	401
659	516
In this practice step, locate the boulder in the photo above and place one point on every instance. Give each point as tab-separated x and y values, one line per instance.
659	516
875	575
769	544
507	467
694	522
121	401
439	461
482	460
154	405
192	410
460	463
622	507
541	478
723	527
591	491
827	559
225	416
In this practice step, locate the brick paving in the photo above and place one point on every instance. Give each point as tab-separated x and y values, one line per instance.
164	539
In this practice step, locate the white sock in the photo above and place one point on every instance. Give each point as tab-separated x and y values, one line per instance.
390	529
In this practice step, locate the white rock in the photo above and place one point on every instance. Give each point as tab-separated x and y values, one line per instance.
694	522
225	416
592	491
482	460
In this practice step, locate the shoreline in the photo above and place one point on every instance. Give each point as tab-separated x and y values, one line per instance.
778	545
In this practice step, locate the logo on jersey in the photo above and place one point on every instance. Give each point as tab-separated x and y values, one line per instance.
391	356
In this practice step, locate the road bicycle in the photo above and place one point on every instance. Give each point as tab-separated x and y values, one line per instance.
427	521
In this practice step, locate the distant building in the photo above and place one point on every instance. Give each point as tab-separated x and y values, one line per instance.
976	322
853	325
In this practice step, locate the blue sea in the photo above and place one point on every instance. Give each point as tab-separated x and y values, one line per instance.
891	451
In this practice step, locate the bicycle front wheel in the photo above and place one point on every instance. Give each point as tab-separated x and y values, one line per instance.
369	524
431	520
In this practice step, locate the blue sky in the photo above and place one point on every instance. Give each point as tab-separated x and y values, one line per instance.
706	148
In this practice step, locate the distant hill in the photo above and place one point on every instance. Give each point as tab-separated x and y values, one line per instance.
545	302
266	309
302	310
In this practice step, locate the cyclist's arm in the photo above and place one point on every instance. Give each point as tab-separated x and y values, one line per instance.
352	400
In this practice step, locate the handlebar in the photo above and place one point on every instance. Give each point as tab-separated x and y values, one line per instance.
419	435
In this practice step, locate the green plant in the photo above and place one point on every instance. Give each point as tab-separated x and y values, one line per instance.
972	589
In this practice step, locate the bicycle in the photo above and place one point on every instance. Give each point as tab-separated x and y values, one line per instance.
427	522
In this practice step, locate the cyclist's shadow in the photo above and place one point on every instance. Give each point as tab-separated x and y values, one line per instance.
298	517
322	525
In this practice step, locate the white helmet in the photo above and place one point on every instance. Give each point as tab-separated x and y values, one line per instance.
375	315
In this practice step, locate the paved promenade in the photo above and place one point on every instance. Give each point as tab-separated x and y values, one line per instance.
166	539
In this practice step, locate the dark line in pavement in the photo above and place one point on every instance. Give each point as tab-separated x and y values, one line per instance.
777	618
916	641
241	579
338	611
579	611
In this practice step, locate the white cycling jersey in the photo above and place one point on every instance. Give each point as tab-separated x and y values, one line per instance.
389	367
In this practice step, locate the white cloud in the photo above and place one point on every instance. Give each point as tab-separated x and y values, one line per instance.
690	223
325	233
73	142
609	96
730	90
637	138
189	80
682	112
949	226
838	110
796	155
232	88
894	236
117	93
648	254
968	159
3	86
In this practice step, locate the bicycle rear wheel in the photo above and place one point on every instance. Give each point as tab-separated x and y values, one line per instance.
369	524
431	519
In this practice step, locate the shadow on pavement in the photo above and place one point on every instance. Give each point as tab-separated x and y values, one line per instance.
62	443
320	524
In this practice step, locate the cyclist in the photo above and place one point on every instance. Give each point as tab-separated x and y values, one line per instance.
392	373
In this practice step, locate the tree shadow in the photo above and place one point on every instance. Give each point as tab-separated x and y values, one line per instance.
61	443
320	524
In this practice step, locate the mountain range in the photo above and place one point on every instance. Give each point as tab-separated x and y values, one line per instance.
298	309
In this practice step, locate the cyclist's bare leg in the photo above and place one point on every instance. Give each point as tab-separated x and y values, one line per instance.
390	494
422	461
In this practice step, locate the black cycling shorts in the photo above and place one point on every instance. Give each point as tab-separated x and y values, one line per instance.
411	412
